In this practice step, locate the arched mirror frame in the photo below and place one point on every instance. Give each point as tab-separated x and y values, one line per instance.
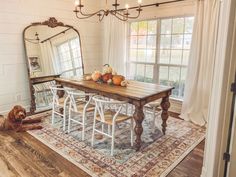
52	23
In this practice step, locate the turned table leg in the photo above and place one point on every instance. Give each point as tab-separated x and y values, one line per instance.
165	104
138	117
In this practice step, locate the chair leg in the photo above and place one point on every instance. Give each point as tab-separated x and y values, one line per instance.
69	121
109	129
126	108
132	131
83	126
112	139
94	125
53	114
154	118
102	127
64	120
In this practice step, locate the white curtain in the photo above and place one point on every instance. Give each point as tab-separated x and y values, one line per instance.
115	44
48	59
201	62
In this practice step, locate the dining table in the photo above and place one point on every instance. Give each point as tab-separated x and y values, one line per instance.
136	93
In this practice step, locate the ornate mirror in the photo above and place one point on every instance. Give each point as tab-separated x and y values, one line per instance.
52	50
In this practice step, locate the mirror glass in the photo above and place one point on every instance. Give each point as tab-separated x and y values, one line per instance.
53	51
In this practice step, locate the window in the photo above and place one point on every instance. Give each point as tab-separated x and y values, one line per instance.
159	51
70	58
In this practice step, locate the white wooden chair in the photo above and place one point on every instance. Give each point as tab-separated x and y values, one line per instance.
152	107
104	114
59	105
80	104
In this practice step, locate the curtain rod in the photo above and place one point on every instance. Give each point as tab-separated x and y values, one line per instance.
154	4
63	32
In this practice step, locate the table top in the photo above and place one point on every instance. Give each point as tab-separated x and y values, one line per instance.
135	90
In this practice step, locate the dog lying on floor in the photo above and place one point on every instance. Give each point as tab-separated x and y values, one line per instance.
16	121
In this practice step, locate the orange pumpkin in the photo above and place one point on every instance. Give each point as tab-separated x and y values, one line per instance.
117	79
96	76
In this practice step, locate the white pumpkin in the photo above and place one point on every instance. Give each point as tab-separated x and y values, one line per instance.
124	83
107	69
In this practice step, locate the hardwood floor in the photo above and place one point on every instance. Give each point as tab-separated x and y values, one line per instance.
23	155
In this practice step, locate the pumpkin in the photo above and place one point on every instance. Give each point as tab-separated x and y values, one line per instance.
88	78
96	76
124	83
106	77
107	69
117	79
114	72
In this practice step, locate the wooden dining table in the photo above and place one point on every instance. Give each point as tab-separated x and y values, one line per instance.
136	93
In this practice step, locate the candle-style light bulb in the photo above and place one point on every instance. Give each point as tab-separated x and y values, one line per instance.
140	1
77	2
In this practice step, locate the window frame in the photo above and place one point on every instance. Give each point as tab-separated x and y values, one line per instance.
156	64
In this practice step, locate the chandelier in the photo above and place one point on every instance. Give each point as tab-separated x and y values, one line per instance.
123	14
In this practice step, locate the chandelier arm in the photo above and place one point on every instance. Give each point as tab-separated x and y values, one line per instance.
101	17
92	14
85	17
129	17
119	17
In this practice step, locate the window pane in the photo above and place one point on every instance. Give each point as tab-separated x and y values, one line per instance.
133	54
165	41
152	27
149	73
77	62
140	72
142	28
163	75
74	43
141	55
174	74
166	26
185	57
132	70
165	56
76	53
183	74
134	28
151	42
182	82
151	56
177	41
178	25
142	42
189	24
133	42
187	41
176	57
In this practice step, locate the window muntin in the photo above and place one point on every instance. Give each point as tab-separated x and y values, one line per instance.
70	61
159	51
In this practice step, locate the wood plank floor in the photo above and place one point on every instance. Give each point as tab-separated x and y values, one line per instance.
24	156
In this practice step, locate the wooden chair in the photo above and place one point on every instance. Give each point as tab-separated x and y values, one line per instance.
59	104
105	115
80	104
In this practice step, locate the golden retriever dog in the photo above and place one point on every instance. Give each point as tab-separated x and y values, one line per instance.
16	120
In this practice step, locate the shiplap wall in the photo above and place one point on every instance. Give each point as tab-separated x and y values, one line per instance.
15	15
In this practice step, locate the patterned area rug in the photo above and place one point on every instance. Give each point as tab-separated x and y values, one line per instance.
158	156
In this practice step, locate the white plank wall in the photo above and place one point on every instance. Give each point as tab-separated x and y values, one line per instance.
15	15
